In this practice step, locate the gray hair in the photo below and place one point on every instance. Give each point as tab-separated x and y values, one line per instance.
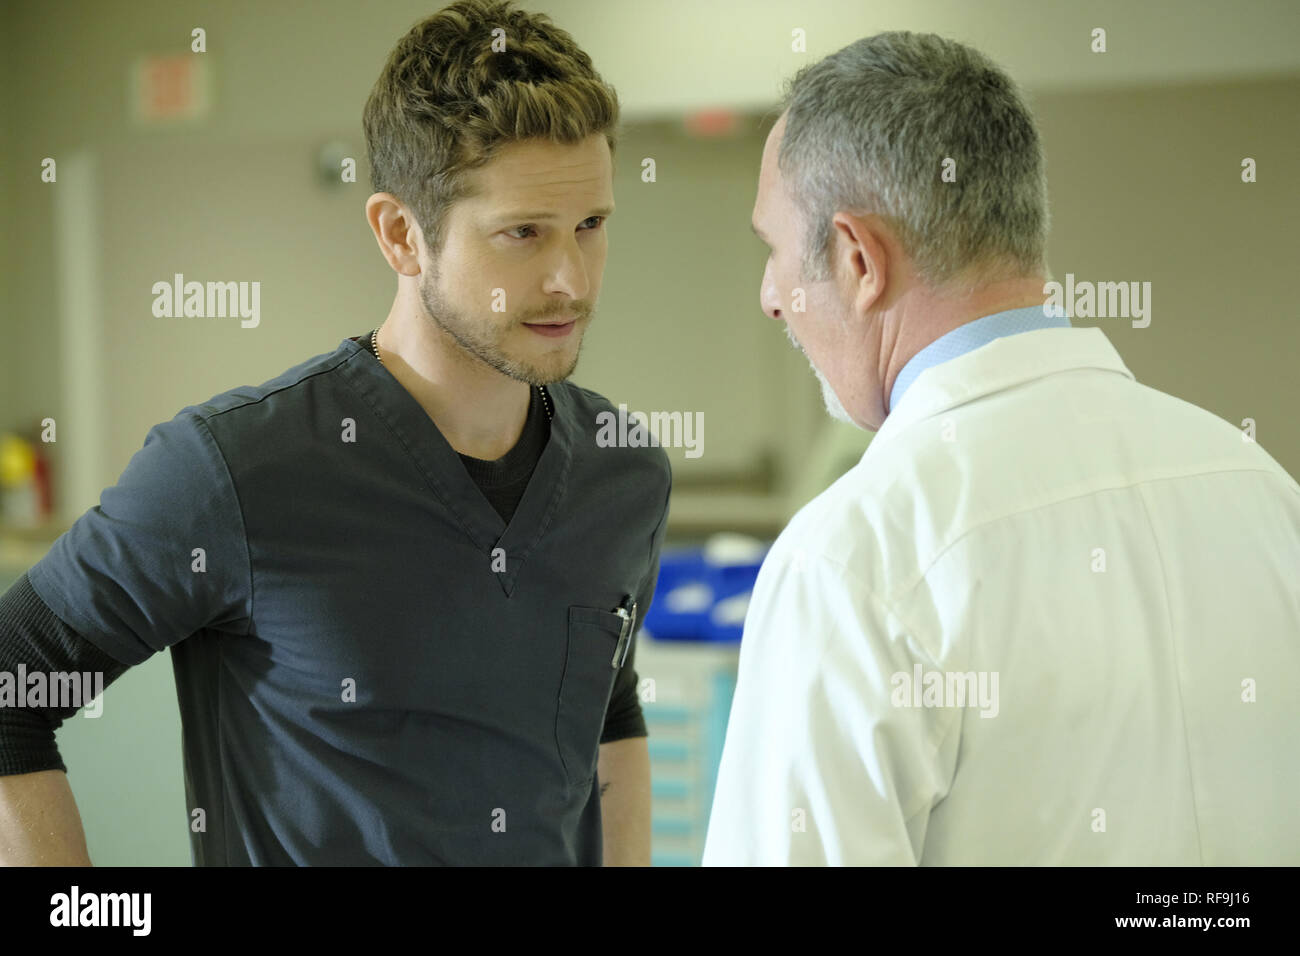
867	131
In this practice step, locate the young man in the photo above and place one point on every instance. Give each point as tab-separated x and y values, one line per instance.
1027	628
401	580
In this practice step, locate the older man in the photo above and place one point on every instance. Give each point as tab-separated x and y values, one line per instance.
1044	620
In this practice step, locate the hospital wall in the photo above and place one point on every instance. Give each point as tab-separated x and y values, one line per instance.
1145	186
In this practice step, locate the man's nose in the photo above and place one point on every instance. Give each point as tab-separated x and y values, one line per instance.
768	299
570	273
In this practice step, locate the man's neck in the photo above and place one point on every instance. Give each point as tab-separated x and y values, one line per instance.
480	411
925	317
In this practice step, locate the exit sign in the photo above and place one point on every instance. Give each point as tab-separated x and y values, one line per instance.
170	89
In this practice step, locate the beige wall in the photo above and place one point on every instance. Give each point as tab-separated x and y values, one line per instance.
10	384
1145	185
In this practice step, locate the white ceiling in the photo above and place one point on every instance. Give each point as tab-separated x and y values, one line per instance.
665	56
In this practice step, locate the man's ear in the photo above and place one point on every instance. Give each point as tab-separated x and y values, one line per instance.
860	259
396	232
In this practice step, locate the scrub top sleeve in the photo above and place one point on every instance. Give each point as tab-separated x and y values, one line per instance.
623	717
819	767
163	554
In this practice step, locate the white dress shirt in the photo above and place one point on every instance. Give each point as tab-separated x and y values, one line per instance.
1111	576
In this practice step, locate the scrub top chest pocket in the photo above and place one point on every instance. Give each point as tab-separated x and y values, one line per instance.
589	672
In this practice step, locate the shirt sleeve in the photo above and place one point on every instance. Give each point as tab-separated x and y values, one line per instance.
162	556
818	766
32	637
624	717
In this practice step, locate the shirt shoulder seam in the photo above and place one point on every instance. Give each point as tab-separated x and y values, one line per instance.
202	412
239	509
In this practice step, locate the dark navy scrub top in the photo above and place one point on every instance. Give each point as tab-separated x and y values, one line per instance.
334	569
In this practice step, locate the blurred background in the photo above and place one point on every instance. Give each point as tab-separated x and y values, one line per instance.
211	165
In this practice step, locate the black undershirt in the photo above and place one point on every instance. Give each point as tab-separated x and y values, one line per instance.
503	481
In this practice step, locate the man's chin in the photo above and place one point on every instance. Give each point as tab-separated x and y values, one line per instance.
545	373
561	364
834	407
553	378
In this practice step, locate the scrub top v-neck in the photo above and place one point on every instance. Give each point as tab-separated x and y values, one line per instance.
441	466
373	667
504	480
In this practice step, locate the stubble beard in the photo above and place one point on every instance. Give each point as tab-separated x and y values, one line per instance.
834	407
485	344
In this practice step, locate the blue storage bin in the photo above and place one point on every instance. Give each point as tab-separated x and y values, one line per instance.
683	597
732	585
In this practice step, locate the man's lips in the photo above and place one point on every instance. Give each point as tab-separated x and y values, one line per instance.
552	327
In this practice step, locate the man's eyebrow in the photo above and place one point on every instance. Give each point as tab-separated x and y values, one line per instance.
546	216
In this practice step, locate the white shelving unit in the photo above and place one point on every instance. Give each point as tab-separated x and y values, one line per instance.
686	721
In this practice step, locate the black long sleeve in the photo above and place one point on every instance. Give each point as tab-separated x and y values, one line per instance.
32	635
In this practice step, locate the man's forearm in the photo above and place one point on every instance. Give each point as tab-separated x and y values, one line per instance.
623	769
39	822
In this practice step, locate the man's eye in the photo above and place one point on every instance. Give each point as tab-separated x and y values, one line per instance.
594	221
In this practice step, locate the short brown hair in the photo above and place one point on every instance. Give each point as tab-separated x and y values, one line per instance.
446	103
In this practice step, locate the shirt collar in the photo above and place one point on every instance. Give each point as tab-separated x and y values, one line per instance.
968	337
1006	363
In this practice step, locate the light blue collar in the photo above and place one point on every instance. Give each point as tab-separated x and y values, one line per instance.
968	337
